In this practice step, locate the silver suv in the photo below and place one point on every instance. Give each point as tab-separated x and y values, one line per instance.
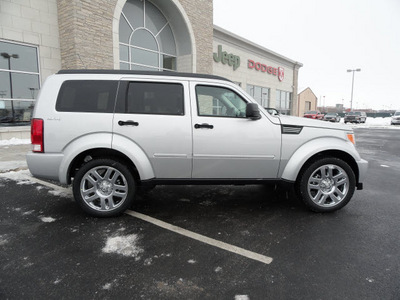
110	133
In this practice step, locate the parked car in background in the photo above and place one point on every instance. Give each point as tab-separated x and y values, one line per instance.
396	118
355	117
314	114
332	117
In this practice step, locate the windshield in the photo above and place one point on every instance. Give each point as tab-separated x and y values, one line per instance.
354	113
311	112
397	113
330	114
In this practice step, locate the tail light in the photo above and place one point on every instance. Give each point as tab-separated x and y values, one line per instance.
37	135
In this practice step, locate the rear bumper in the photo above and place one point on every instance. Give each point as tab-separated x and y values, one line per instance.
44	165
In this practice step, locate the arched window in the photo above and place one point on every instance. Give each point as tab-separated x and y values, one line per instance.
146	41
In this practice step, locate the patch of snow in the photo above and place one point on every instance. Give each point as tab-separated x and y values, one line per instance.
370	280
375	123
242	297
57	281
123	245
47	219
7	166
107	286
385	166
3	239
218	269
61	192
207	203
191	261
14	141
184	200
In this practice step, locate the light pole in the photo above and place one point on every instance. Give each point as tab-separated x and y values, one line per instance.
352	86
8	57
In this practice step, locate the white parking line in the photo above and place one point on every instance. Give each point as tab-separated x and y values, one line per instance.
246	253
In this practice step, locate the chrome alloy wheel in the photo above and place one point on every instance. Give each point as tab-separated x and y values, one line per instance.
104	188
328	185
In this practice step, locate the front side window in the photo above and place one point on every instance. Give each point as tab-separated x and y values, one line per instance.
155	98
219	102
19	82
87	96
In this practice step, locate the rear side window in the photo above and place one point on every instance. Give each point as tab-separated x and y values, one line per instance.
87	96
154	98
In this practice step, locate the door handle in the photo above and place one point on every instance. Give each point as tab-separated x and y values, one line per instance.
208	126
129	122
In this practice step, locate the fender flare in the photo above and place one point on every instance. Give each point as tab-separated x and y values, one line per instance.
306	151
105	141
79	145
136	154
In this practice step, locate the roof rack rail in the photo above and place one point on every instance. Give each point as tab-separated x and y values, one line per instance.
132	72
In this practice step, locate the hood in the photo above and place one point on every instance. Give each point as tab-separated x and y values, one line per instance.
305	122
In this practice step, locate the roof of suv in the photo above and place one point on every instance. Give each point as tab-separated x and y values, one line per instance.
151	73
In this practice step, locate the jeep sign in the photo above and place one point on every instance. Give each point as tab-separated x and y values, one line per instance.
230	59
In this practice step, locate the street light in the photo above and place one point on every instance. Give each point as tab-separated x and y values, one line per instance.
8	57
352	86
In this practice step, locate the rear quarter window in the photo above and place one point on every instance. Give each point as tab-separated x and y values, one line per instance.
87	96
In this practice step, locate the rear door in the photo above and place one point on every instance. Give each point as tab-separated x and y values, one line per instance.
225	143
155	115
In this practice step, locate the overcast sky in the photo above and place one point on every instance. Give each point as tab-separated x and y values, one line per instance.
328	37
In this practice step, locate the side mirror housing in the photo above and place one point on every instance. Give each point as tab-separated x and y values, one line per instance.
252	111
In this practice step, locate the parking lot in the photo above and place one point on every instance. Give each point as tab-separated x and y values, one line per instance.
206	242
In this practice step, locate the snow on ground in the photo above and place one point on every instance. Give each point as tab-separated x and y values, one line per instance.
374	123
25	177
14	141
7	166
124	245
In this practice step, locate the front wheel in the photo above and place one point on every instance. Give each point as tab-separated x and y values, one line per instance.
104	188
326	184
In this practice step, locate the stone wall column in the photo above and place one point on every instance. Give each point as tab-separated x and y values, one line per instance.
85	28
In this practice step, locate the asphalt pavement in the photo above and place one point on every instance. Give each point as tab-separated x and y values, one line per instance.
49	249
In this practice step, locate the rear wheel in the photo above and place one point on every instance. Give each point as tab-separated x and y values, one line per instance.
104	188
326	184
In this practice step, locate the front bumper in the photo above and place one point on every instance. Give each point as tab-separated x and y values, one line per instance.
362	171
395	121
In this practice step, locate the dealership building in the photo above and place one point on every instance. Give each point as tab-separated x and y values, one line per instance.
40	37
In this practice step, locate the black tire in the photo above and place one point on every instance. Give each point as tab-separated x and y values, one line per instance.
104	188
326	184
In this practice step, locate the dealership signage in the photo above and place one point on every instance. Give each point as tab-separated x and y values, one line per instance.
234	61
225	58
280	72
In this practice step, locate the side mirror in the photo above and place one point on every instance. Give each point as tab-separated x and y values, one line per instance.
252	111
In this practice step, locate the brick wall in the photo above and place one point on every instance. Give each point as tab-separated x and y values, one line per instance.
86	33
200	13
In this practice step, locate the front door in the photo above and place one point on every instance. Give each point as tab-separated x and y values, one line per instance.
226	144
